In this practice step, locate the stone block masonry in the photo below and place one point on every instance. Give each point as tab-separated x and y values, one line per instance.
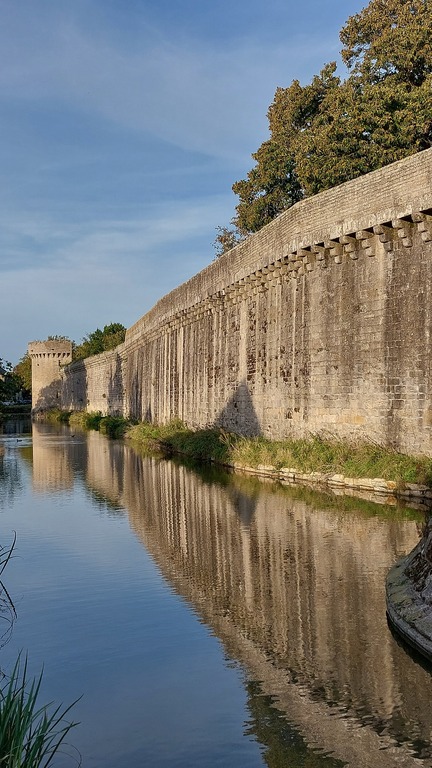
320	322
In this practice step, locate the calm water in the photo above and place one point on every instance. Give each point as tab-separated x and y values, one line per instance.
205	619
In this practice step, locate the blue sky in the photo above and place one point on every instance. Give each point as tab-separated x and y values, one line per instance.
123	125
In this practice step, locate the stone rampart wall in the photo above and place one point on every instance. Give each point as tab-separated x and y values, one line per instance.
95	384
320	322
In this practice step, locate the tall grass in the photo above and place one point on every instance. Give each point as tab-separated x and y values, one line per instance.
7	608
326	455
30	734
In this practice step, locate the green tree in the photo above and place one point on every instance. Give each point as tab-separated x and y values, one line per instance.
10	383
226	239
329	131
390	39
100	341
23	369
383	111
274	183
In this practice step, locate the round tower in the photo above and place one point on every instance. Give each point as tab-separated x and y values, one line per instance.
48	358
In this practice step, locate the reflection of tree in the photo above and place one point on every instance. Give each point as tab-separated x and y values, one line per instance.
10	477
283	745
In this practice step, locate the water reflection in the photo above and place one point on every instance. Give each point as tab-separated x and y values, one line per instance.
292	582
14	434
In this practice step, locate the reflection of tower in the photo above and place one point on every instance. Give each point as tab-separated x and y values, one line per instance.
52	465
47	358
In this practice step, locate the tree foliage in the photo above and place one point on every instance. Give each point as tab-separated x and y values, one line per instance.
330	131
11	383
100	341
23	369
226	239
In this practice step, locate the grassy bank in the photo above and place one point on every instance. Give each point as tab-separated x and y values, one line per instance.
315	454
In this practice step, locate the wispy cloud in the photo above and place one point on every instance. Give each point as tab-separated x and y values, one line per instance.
199	96
116	270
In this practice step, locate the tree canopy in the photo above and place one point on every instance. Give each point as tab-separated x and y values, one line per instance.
11	383
100	341
333	130
23	369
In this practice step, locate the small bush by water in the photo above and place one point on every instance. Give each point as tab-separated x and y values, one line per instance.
113	426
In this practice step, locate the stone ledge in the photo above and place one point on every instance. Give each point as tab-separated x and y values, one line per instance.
377	486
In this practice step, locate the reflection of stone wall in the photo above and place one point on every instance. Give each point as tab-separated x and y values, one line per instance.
281	580
316	322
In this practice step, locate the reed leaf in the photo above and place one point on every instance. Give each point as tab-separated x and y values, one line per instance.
30	734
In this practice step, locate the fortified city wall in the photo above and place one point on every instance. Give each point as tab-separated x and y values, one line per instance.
319	322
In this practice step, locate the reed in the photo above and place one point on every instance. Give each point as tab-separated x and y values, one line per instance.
30	734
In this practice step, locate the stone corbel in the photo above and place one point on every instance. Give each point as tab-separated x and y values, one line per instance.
424	225
308	256
335	250
404	229
302	255
385	236
365	236
320	254
349	243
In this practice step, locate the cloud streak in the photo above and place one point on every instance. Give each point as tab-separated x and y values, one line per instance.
198	96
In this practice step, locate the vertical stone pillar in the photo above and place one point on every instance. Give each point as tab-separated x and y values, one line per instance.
48	359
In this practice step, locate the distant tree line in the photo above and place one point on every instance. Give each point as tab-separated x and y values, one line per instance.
333	130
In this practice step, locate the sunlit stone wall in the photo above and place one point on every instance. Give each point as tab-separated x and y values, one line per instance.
320	322
96	384
48	360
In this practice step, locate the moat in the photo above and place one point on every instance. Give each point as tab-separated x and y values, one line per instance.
206	619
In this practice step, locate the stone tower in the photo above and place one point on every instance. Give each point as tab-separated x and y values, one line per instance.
48	359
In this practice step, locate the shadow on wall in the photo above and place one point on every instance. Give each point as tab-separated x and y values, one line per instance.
75	387
49	397
115	390
239	414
